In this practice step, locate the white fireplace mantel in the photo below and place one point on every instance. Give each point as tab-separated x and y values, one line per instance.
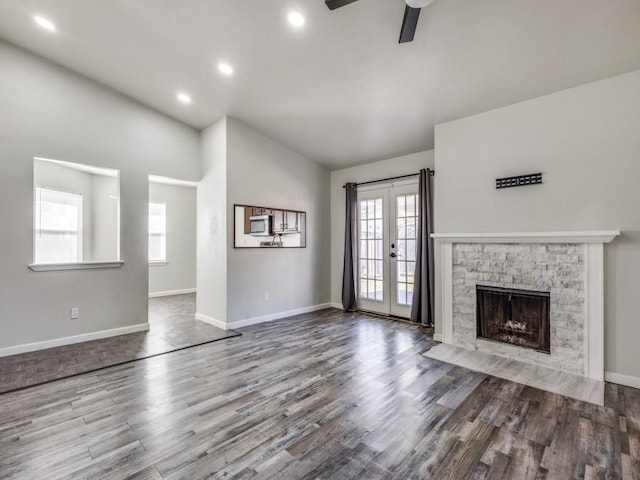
595	236
594	281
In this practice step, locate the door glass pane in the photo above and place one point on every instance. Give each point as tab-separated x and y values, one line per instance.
378	231
402	231
411	228
411	205
378	252
379	268
402	250
406	223
402	270
402	293
411	250
411	270
409	293
400	202
371	249
379	290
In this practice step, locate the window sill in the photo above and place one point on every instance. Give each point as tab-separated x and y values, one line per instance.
49	267
157	263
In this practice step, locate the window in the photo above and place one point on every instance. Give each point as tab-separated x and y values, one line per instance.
406	235
58	226
371	249
157	232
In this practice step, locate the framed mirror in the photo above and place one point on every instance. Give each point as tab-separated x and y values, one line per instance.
265	227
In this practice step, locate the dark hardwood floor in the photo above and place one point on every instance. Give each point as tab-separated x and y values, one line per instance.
322	395
173	326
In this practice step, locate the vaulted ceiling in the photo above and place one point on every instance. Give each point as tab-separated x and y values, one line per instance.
340	90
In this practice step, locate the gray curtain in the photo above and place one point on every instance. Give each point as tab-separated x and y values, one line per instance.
349	301
422	308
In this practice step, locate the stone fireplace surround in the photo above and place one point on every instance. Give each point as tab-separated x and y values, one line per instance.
570	265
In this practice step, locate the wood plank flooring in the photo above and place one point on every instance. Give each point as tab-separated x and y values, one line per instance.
173	326
322	395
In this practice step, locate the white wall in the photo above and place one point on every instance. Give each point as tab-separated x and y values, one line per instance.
179	273
586	143
372	171
50	112
263	172
211	237
105	225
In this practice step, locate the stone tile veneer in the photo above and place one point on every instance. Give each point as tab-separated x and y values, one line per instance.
555	267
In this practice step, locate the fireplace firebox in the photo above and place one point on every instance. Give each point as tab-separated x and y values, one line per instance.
513	316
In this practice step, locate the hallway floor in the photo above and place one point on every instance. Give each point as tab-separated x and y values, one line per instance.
172	327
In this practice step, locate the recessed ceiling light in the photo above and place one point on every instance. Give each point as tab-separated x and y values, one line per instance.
184	98
44	23
296	19
225	68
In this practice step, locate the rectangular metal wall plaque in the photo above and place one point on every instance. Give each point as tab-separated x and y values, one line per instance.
519	180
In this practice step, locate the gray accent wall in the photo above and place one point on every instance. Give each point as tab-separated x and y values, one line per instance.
242	166
51	112
262	172
585	142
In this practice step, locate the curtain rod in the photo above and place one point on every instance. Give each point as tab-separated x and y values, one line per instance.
431	173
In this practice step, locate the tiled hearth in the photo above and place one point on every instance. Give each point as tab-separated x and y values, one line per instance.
568	265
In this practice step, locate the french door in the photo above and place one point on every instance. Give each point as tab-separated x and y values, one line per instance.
387	248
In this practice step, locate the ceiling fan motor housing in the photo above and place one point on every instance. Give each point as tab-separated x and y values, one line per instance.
419	3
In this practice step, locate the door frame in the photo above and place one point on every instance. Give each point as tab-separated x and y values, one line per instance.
386	191
372	305
397	309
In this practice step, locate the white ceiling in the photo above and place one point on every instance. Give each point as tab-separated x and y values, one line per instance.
341	91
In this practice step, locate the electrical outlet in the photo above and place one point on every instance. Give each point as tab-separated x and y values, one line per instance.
265	297
75	313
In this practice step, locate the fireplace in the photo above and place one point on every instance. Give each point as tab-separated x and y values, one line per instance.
568	265
513	316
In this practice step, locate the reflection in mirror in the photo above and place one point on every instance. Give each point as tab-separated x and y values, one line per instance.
263	227
76	213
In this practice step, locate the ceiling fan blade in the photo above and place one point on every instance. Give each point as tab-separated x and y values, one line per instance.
409	24
333	4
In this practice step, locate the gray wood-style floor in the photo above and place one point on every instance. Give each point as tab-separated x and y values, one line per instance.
173	326
322	395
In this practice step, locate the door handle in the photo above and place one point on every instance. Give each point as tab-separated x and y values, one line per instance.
392	255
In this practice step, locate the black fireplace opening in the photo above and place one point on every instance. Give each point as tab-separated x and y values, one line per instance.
513	316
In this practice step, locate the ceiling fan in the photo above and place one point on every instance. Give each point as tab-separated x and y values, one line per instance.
409	22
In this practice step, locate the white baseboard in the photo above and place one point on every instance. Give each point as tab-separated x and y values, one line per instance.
626	380
211	321
437	337
60	342
168	293
277	316
337	305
